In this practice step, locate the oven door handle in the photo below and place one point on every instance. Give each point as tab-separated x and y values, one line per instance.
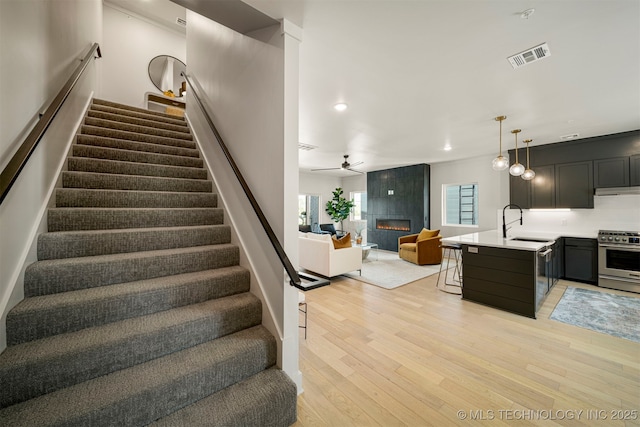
624	247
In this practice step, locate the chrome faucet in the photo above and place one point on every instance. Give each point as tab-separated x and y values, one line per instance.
504	224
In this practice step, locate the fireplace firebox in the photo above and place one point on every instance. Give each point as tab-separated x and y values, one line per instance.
393	224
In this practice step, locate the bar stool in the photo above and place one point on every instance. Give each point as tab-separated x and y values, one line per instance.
451	285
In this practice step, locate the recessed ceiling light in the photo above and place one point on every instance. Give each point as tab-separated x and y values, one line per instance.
341	106
447	147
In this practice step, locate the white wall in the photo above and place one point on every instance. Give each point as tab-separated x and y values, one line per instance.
350	184
41	42
130	42
256	113
493	192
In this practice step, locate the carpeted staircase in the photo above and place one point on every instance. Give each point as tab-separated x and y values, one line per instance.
137	311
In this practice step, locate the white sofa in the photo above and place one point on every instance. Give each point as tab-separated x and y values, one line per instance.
317	255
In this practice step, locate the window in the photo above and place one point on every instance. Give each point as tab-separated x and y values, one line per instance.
308	209
460	204
359	211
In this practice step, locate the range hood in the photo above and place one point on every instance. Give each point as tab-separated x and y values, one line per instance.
617	191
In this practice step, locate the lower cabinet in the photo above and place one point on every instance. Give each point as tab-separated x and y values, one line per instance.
581	260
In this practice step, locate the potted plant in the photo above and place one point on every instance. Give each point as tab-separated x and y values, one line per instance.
338	207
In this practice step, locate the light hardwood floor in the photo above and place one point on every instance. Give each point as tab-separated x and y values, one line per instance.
416	356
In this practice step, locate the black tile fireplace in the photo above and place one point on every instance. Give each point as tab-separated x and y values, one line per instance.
397	204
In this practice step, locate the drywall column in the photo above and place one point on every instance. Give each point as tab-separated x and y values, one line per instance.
292	36
244	81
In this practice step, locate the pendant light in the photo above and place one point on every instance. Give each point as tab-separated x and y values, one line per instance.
516	169
500	163
528	174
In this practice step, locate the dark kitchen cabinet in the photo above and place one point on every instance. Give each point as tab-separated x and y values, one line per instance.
574	185
558	260
543	191
609	173
581	260
634	170
520	192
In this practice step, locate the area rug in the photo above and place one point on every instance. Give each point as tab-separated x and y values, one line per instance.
616	315
389	271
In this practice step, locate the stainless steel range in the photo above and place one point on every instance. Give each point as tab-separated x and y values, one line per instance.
619	260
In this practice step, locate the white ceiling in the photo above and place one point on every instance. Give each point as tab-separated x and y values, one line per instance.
420	74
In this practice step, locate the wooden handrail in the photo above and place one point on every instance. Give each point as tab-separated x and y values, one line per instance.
28	146
294	278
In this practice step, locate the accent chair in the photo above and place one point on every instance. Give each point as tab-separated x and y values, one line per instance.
422	248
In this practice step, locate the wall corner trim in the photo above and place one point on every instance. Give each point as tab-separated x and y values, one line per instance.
291	29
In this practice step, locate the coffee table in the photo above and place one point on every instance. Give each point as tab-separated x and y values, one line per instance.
366	249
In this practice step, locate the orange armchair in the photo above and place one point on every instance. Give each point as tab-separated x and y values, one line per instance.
423	248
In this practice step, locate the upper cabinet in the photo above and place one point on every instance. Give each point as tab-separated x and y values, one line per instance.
574	185
609	173
634	166
568	173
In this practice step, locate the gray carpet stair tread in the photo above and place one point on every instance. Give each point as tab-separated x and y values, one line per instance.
143	114
138	129
124	144
145	392
66	219
47	315
79	150
82	197
70	274
105	181
88	164
137	121
270	393
103	102
135	136
72	244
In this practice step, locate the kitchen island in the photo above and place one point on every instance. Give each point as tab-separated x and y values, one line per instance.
512	274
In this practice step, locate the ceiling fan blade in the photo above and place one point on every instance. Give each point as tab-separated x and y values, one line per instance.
325	169
356	164
353	170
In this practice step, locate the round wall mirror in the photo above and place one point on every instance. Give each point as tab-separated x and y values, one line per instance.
164	72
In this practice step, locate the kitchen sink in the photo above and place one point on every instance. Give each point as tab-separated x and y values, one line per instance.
527	239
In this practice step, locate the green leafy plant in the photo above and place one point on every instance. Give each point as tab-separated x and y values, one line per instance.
339	208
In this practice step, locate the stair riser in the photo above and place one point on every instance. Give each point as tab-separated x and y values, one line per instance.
109	125
158	114
137	121
147	115
123	144
198	324
72	197
135	156
144	393
131	182
55	314
85	164
53	276
70	219
100	242
133	136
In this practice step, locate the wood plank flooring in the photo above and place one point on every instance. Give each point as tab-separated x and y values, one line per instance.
416	356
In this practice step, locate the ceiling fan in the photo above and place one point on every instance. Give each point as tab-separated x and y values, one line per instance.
345	166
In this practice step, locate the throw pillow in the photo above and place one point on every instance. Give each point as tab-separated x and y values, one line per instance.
427	234
343	242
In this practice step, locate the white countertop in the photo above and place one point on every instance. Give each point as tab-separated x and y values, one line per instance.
493	238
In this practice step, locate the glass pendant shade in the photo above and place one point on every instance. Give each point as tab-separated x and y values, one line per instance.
528	174
500	163
516	169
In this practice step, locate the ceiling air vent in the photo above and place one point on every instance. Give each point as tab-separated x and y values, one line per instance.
181	22
570	136
306	147
528	56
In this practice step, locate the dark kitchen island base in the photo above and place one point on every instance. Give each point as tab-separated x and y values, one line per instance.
501	278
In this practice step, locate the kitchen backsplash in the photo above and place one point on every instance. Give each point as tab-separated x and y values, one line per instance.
609	213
